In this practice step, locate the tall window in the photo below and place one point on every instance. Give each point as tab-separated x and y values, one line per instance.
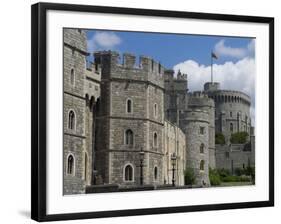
129	137
129	106
230	113
70	165
155	110
202	164
128	173
202	148
231	127
155	140
201	130
72	76
71	120
155	173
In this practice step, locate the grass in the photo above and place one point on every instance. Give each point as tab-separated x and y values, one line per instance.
229	184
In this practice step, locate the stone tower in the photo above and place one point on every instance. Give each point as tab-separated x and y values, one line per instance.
175	95
198	124
130	119
232	110
77	154
81	91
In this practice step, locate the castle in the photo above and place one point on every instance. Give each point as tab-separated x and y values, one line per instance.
139	125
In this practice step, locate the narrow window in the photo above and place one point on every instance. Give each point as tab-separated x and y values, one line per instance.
71	120
129	106
155	110
202	163
155	140
129	137
70	165
231	127
128	173
202	148
72	77
230	113
201	130
155	173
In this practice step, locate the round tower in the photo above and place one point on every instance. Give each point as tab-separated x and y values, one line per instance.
198	125
232	112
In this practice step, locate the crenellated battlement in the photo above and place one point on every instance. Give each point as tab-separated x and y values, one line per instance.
113	67
169	75
199	99
230	96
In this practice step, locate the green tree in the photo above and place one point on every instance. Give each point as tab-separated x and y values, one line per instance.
189	177
239	137
219	139
214	177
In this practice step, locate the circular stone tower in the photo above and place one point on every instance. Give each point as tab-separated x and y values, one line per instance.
199	130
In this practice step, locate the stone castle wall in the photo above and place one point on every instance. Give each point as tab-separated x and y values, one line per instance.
174	143
232	112
160	104
144	88
74	139
196	128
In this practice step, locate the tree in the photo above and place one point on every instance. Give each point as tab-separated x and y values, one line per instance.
220	139
214	177
239	137
189	177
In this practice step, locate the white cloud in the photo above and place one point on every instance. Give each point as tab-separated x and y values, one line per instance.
223	50
233	76
103	40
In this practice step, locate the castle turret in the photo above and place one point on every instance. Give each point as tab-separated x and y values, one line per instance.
131	120
198	124
77	117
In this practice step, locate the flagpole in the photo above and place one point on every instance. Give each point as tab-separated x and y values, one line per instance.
211	68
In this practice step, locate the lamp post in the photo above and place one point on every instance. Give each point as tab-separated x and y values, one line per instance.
173	158
141	153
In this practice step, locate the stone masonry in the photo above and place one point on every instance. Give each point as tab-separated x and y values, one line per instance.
120	116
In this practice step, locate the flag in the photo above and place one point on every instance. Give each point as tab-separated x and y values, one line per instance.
214	55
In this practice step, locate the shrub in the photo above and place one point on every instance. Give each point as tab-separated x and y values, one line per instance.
189	177
240	171
239	137
223	172
214	177
250	171
236	179
219	139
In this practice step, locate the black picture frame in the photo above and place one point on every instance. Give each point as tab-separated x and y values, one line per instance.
39	108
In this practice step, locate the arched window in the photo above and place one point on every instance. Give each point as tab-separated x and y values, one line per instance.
155	173
129	106
155	110
202	164
129	137
72	76
231	127
202	148
128	173
70	165
230	113
71	120
155	140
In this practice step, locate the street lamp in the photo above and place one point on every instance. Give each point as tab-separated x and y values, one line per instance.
141	153
174	159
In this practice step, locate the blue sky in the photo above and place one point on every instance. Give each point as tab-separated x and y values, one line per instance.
169	49
234	68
